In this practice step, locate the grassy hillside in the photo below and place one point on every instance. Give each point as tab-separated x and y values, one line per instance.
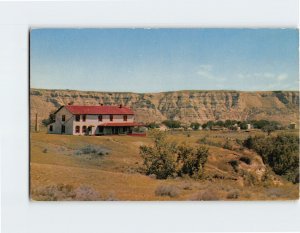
115	172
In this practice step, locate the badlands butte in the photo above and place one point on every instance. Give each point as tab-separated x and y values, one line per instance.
185	106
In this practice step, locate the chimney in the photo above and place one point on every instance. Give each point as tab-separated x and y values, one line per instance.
120	106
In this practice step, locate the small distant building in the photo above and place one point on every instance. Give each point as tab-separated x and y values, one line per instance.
249	126
162	127
292	125
217	128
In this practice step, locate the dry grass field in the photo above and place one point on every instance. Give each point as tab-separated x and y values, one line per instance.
110	168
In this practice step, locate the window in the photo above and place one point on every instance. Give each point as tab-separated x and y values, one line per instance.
84	129
51	128
125	118
63	117
77	129
77	117
63	129
111	117
83	117
100	118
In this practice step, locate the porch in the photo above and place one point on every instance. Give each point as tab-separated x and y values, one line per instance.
113	130
117	128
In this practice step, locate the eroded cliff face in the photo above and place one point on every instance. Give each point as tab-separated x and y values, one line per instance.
186	106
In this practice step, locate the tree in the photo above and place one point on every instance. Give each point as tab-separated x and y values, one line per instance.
166	159
281	153
172	124
195	125
159	159
152	125
208	124
263	123
229	123
192	160
243	125
219	123
49	120
269	128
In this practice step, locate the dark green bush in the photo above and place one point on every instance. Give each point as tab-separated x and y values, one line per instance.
281	153
234	164
49	120
192	160
228	145
166	159
260	124
246	160
172	124
152	125
159	159
195	125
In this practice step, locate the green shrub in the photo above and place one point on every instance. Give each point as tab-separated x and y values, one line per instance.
243	125
92	150
203	140
228	145
166	159
159	159
281	153
195	125
249	178
192	160
269	128
239	141
172	124
208	125
49	120
152	125
234	164
246	160
260	124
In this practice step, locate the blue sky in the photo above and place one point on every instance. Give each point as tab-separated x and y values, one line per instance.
154	60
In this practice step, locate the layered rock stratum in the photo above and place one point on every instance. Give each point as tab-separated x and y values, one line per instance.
185	106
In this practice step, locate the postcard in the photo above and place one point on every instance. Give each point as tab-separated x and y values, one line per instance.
185	114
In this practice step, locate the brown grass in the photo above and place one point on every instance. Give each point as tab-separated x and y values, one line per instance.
116	176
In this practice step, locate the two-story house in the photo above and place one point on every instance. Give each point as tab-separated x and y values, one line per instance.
93	120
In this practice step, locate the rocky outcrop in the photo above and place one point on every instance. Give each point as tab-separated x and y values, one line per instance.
186	106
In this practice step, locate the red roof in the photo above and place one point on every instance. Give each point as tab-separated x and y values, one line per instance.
96	110
122	124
